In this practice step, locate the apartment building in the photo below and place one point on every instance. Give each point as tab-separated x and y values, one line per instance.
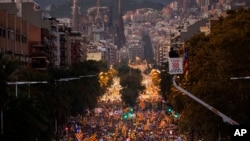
28	36
77	47
102	51
21	27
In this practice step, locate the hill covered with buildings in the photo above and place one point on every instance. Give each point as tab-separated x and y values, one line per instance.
62	8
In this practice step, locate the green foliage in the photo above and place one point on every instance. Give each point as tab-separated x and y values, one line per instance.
32	114
7	68
25	119
90	67
130	80
165	84
213	60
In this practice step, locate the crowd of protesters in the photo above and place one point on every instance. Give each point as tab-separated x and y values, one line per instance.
109	122
112	120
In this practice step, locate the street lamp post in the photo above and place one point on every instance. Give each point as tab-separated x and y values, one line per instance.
44	82
36	82
237	78
1	122
23	83
214	110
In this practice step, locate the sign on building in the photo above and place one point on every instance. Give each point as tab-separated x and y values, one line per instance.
175	65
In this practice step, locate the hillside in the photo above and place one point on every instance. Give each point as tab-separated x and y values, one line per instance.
45	3
62	8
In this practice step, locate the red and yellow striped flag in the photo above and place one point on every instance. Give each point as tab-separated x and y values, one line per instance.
93	137
162	124
142	105
79	135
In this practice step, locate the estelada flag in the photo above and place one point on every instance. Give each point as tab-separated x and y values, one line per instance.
93	137
185	63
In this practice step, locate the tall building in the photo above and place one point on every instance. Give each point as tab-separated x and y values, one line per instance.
184	5
75	16
21	32
27	35
119	26
97	22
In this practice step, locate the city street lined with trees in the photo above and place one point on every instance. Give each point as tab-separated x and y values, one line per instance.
42	111
212	61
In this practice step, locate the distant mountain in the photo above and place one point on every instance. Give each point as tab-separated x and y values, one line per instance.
62	8
45	3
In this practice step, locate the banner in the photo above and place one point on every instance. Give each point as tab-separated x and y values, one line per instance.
175	65
98	110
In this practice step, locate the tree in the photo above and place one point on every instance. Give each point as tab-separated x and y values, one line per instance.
7	68
213	60
24	116
165	84
38	108
130	80
25	119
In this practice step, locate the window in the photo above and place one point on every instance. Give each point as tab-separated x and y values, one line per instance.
8	34
11	35
1	32
24	39
18	37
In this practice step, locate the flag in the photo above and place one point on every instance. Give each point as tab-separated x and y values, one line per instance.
124	130
93	137
152	117
185	63
162	124
146	126
167	119
79	135
142	105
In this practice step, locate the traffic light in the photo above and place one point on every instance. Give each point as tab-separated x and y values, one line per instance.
125	116
176	115
131	110
169	109
128	114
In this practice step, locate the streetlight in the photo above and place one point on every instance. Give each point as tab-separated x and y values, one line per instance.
214	110
36	82
25	82
236	78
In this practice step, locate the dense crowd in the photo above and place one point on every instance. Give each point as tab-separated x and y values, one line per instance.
109	122
112	120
